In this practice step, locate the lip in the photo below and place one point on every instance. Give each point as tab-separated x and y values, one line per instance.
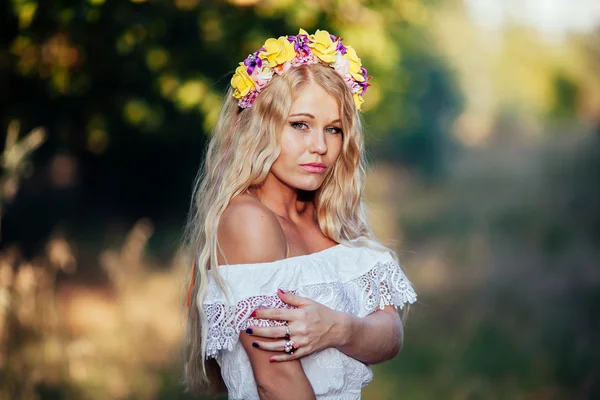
314	167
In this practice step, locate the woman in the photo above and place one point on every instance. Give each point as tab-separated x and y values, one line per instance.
291	294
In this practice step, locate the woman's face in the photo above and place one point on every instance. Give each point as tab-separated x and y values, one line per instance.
311	140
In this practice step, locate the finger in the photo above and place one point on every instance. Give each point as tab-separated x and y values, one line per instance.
267	332
280	314
299	353
292	299
278	345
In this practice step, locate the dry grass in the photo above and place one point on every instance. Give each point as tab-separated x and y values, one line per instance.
103	342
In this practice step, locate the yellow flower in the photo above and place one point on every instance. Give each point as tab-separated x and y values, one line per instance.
277	51
358	101
241	82
355	64
322	46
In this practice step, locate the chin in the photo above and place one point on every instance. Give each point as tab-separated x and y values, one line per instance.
309	186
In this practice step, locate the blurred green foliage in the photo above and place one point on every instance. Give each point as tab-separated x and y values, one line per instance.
131	89
532	237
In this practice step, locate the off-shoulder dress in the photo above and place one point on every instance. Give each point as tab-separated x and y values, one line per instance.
354	280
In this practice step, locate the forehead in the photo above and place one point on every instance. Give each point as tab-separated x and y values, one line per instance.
315	100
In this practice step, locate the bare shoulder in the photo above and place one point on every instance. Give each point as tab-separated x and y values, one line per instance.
249	232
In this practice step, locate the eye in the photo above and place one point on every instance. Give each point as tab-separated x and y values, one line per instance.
334	129
299	125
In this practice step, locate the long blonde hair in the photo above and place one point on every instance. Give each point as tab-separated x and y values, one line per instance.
240	154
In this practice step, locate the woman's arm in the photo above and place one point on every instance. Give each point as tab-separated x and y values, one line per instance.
276	380
249	233
372	339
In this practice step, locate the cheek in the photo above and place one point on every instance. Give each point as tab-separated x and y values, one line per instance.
287	157
292	146
335	147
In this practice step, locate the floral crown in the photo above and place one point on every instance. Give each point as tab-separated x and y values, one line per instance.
279	55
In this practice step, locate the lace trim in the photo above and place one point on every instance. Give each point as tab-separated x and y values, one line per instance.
385	284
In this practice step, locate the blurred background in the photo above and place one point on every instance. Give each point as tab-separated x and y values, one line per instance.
483	136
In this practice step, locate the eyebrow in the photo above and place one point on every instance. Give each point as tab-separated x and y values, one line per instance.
303	115
311	117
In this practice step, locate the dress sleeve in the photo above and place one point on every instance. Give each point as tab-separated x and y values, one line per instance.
383	284
224	320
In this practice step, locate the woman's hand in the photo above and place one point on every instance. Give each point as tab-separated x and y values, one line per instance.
312	327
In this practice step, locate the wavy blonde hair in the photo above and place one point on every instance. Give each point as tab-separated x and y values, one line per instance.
244	146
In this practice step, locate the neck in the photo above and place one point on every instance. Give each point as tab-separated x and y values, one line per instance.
284	200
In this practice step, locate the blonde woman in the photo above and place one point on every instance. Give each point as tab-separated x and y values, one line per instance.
291	295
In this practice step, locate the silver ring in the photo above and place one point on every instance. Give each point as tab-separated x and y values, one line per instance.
289	347
287	331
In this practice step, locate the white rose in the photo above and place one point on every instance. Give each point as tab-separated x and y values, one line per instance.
341	64
262	76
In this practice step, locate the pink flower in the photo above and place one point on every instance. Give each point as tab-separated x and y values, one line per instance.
305	59
283	68
261	76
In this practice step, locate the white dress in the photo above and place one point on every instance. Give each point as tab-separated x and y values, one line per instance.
354	280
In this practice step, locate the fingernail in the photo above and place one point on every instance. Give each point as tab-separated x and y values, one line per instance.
253	315
254	344
281	291
249	331
271	360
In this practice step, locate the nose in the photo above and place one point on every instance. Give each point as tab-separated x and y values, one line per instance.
317	142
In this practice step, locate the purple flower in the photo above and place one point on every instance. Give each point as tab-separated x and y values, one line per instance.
364	84
253	61
340	46
300	42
